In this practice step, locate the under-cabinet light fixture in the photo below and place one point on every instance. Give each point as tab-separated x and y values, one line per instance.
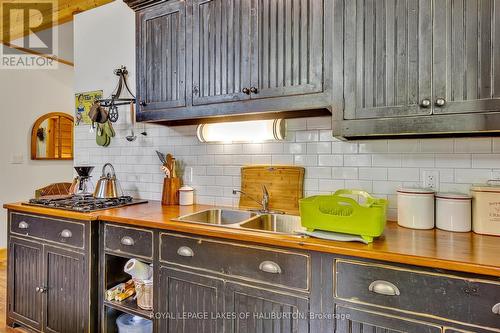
243	131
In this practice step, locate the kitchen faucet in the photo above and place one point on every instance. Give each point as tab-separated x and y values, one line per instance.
264	203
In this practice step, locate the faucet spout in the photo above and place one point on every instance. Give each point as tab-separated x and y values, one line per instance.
264	202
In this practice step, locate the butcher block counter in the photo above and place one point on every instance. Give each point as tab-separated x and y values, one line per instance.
464	252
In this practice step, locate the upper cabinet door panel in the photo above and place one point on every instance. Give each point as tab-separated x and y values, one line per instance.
387	58
221	51
287	47
466	56
161	60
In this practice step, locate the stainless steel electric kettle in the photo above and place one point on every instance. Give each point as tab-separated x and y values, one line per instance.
108	187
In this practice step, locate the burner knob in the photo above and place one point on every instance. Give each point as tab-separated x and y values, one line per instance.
66	233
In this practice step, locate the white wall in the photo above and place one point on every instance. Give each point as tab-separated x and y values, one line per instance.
26	95
376	166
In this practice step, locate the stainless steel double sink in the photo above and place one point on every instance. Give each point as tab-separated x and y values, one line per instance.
271	223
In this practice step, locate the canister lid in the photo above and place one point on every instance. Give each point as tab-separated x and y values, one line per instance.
186	188
453	196
490	186
415	190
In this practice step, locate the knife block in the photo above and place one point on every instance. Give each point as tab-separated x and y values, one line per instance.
170	194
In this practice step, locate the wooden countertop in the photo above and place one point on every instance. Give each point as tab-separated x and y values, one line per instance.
465	252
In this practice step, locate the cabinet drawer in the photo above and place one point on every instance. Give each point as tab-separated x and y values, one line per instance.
126	240
471	301
59	231
277	267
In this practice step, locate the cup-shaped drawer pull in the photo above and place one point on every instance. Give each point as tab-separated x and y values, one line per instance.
496	309
185	251
384	288
270	267
23	225
127	241
66	233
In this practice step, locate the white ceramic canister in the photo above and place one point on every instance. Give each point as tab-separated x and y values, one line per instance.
486	208
186	196
416	208
453	212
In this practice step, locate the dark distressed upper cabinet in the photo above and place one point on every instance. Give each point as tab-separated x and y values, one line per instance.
24	276
65	308
199	59
161	56
287	43
466	56
387	58
221	50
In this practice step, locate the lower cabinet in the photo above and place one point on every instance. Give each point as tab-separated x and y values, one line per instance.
24	277
192	302
352	320
51	274
65	280
261	310
189	302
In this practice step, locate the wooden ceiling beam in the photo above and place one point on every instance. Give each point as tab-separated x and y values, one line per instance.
61	14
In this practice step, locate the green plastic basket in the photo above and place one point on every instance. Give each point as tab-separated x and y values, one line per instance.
340	213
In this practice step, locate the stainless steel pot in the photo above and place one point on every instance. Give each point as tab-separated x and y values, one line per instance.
108	187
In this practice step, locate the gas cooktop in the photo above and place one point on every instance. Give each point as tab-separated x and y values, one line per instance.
84	204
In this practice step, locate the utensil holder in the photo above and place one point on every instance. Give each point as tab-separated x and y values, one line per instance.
171	188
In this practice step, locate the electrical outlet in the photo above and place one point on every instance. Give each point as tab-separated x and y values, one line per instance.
431	179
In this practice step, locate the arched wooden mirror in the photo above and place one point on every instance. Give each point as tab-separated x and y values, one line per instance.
52	137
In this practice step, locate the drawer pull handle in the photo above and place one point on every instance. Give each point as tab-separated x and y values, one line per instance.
127	241
66	233
496	309
185	251
270	267
23	225
384	288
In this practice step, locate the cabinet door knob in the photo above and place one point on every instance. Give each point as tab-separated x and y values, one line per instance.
496	309
254	90
127	241
143	103
270	267
384	288
440	101
37	289
245	91
425	103
42	290
23	225
66	233
185	251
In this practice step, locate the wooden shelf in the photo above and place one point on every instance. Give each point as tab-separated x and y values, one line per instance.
129	306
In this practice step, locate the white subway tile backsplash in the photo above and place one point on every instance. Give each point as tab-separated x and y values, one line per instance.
453	160
473	145
372	173
306	136
213	169
486	160
357	160
330	160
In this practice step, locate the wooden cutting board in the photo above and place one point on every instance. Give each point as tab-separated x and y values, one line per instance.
285	185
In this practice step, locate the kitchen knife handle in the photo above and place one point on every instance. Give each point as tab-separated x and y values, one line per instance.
23	225
127	241
270	267
384	288
185	251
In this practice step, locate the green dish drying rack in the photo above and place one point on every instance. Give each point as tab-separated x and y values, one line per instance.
340	213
